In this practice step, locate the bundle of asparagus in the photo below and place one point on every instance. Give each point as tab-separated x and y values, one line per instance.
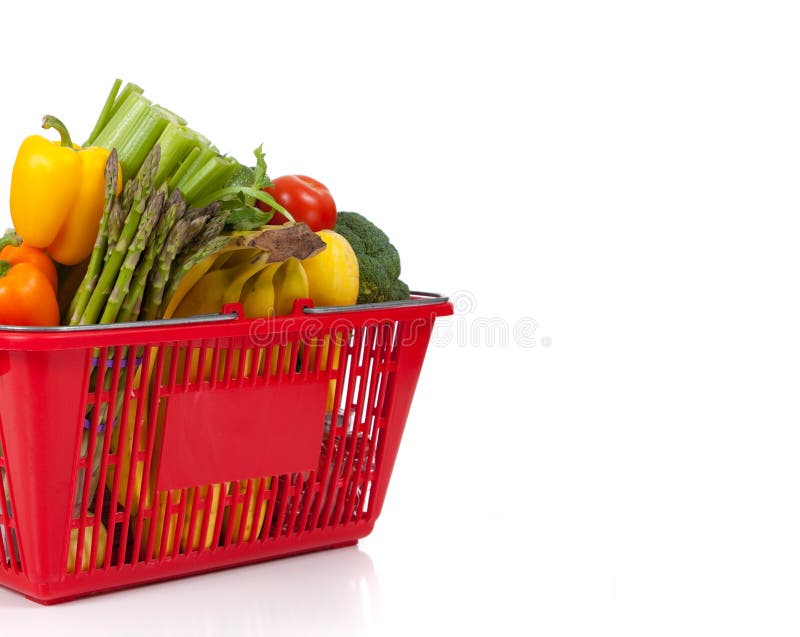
147	239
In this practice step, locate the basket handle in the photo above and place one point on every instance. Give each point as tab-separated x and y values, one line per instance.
102	327
416	299
233	312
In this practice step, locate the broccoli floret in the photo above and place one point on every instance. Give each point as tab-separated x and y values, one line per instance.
398	291
378	259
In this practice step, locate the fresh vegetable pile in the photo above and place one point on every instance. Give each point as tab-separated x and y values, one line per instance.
149	220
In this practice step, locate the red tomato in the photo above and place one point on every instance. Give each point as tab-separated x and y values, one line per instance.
306	199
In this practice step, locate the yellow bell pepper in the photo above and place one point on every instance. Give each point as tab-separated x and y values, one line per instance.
57	192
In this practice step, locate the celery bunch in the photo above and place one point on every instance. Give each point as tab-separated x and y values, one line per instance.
130	123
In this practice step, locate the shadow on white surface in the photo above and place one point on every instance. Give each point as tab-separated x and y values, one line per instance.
328	592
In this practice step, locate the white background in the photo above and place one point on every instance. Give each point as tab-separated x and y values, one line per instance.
625	174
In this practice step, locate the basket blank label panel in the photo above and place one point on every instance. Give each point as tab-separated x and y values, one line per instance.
237	433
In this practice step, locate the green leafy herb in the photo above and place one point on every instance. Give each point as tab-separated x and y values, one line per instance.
247	218
260	178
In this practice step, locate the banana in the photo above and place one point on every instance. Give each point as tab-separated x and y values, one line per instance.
221	259
277	284
171	528
275	242
203	290
188	281
232	274
258	293
263	289
218	287
322	349
290	283
216	261
272	292
88	533
237	257
233	515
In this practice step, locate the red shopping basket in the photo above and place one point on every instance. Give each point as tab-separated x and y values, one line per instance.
147	451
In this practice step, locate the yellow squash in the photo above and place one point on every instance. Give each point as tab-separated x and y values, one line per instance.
333	277
333	273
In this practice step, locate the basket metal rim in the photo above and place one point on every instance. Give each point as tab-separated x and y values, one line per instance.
418	299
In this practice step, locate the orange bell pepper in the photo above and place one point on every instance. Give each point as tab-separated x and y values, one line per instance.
36	257
27	295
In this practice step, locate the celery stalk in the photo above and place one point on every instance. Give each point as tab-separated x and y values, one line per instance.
128	90
115	102
207	178
180	171
123	122
106	113
173	116
176	142
135	147
179	179
190	163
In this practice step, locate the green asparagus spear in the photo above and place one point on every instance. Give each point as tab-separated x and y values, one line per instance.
132	304
182	233
213	227
150	217
116	217
116	220
206	211
108	276
127	194
191	259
